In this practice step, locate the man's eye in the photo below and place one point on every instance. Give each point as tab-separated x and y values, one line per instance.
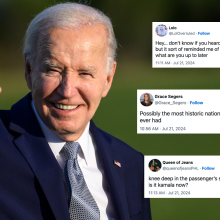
85	74
53	70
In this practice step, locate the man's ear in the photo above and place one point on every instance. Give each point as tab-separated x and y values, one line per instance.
109	79
28	73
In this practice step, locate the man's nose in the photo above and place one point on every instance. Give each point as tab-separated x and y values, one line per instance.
67	86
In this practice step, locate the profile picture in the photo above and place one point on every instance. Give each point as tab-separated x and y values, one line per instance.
161	30
146	99
154	165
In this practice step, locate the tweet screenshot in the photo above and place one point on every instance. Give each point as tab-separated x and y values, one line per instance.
185	44
182	176
178	111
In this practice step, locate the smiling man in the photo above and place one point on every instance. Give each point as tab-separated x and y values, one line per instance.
69	78
55	163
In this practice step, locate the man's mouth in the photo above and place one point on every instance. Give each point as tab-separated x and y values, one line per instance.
65	107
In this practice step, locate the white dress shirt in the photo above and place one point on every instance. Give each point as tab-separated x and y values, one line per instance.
89	162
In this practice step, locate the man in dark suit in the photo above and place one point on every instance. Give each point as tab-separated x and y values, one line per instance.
69	66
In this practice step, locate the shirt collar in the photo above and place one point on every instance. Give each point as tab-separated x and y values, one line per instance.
56	143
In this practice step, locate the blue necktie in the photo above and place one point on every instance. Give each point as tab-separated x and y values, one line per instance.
82	205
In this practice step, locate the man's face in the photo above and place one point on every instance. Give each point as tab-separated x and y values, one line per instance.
69	78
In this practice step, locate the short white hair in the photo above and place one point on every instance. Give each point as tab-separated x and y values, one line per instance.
67	15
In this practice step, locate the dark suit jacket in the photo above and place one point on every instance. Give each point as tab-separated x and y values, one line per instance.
31	180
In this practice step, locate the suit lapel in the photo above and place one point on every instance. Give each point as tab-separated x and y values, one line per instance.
114	174
34	147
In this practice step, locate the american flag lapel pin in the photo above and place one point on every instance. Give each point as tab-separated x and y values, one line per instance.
117	163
